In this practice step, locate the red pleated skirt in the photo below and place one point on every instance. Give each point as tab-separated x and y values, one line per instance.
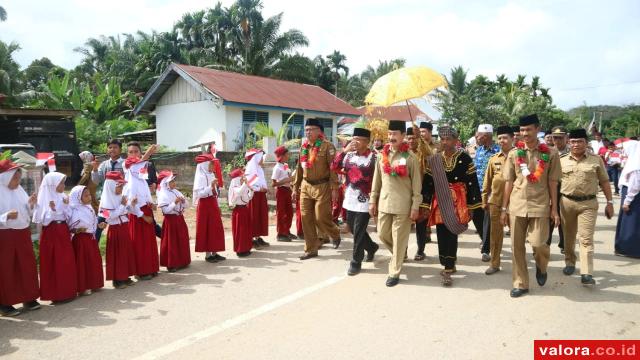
174	247
241	232
88	262
121	262
284	210
18	270
145	246
259	214
209	229
58	279
299	231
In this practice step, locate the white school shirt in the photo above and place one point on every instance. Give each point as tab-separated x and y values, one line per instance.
281	172
239	194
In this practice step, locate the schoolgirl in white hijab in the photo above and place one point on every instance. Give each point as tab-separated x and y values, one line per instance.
14	200
167	197
53	204
203	178
135	174
82	215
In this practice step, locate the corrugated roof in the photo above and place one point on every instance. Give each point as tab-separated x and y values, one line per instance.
256	90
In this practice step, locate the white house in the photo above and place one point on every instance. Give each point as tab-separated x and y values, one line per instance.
194	105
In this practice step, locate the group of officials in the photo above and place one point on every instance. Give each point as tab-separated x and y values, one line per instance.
520	183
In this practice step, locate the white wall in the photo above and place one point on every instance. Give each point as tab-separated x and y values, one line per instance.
179	126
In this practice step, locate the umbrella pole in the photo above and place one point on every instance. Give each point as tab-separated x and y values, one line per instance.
410	116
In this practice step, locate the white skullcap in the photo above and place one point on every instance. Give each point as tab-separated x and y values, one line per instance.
485	128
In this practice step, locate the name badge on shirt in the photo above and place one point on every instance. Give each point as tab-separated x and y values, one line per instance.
402	161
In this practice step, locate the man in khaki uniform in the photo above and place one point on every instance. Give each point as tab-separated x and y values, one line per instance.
396	196
492	195
529	189
560	136
317	187
426	130
581	174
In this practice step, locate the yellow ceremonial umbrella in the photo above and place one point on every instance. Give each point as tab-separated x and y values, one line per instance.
404	84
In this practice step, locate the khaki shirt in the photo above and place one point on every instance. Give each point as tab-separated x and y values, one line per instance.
395	194
493	184
531	199
321	168
582	177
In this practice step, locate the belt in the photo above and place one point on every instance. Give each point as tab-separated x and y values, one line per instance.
58	222
317	182
579	198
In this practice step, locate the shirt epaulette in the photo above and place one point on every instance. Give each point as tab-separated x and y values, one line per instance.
565	154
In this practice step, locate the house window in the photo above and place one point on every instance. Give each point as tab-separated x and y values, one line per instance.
328	127
249	120
295	126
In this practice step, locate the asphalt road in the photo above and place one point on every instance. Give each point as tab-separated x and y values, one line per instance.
274	306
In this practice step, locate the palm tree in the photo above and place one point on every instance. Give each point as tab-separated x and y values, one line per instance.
337	64
9	69
458	81
3	14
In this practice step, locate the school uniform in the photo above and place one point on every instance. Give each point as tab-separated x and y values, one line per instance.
174	246
209	229
240	195
284	206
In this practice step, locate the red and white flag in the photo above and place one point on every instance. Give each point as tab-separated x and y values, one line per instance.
46	158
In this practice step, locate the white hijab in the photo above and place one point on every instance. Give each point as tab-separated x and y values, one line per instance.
109	200
81	215
16	199
253	168
136	187
633	164
166	195
202	179
48	193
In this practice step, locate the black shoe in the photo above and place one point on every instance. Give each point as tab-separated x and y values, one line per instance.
392	281
353	269
587	280
172	270
371	254
307	256
31	305
568	270
283	238
211	259
219	257
486	257
8	310
518	292
244	254
119	284
256	245
146	277
540	277
336	243
262	242
292	237
129	282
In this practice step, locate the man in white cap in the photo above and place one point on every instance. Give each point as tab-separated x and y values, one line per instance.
485	150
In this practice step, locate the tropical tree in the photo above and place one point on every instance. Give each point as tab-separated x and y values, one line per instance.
337	64
3	14
10	75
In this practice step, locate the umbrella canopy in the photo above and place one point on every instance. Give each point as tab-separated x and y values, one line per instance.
404	84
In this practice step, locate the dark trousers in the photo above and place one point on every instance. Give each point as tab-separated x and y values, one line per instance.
486	233
421	235
560	233
478	221
358	223
447	246
98	230
614	177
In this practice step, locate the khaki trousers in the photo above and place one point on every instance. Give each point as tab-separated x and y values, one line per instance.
536	231
496	236
315	209
579	218
393	231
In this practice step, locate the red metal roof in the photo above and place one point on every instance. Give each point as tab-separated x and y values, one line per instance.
248	89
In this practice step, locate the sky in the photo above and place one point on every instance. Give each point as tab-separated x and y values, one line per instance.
587	52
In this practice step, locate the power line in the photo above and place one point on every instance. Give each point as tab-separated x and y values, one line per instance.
599	86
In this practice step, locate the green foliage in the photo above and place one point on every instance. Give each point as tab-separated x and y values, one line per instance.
10	75
93	136
613	121
467	104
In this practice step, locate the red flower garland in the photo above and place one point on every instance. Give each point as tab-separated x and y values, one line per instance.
398	170
541	163
307	158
